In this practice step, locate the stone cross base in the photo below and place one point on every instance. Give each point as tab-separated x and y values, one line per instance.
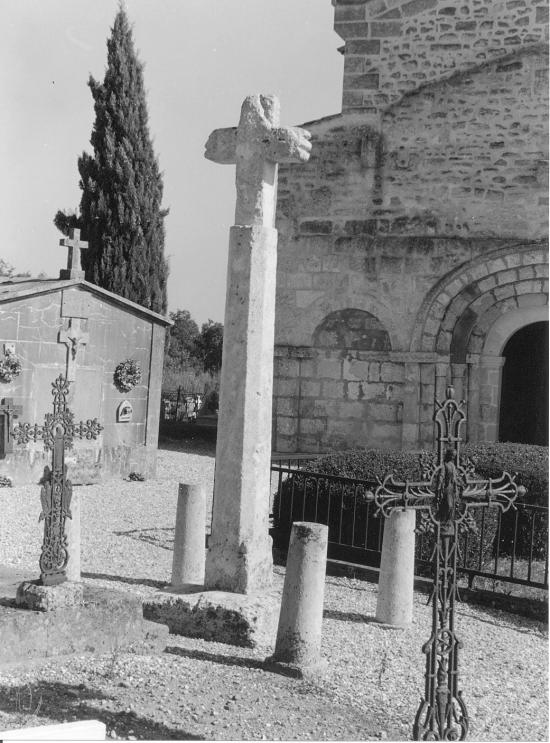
236	619
34	596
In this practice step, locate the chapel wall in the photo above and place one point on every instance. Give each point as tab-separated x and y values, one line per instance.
32	325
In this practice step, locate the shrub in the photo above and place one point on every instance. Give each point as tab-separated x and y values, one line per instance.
348	514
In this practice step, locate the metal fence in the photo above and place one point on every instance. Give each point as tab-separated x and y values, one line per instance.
179	405
510	548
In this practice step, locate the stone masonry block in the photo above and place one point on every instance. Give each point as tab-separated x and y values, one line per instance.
308	368
392	372
383	29
287	367
310	388
331	368
287	426
287	406
356	369
287	387
374	371
312	426
386	412
417	6
334	390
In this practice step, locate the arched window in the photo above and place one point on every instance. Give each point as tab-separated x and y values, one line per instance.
355	329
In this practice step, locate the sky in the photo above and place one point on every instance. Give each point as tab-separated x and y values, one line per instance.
201	58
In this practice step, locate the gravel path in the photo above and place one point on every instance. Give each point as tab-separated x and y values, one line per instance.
205	690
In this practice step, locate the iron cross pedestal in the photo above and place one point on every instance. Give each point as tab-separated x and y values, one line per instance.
446	499
57	433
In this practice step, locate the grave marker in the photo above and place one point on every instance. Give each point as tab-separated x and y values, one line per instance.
57	433
445	498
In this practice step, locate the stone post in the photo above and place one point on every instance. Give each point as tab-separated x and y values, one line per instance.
72	532
298	645
239	555
189	541
396	582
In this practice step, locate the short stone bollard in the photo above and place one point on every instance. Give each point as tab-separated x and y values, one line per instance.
298	646
396	583
189	542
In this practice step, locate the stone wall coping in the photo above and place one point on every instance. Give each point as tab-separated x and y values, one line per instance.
11	291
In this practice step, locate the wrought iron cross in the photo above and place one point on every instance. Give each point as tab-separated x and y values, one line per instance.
57	433
446	498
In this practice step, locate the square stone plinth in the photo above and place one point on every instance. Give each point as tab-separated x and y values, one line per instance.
33	595
248	620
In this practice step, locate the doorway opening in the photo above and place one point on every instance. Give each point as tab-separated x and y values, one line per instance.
524	391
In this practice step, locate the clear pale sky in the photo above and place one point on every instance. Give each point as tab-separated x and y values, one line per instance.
202	57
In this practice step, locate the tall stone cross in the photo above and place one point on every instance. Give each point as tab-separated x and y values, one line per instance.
74	265
446	497
72	338
239	555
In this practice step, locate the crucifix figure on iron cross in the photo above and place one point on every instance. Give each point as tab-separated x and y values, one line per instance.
446	499
74	264
255	146
57	433
73	338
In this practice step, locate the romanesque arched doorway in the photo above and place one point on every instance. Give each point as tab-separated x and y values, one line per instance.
524	390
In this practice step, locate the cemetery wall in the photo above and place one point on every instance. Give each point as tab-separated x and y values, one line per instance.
410	232
32	325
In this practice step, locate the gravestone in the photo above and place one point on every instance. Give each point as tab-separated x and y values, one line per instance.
239	556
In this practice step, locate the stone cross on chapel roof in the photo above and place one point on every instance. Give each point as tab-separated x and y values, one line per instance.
75	245
255	146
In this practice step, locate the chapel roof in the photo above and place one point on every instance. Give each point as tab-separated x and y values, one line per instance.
13	289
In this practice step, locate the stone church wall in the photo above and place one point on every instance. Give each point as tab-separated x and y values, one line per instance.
430	218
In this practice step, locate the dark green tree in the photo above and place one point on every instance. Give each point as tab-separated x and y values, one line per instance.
181	342
120	209
210	344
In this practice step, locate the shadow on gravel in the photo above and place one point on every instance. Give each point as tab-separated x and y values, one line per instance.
159	536
121	579
348	616
191	444
57	702
225	660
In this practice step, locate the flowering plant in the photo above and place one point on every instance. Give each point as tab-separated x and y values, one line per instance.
127	375
10	367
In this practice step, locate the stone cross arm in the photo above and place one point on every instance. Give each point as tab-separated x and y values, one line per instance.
256	146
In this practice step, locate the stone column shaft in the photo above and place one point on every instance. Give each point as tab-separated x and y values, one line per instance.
189	550
300	621
239	556
396	582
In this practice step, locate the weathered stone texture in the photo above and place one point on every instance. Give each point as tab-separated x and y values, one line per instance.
420	219
405	45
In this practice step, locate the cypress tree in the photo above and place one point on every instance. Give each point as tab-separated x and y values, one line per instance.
120	209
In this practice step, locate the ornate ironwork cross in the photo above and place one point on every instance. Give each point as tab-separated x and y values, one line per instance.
57	433
446	498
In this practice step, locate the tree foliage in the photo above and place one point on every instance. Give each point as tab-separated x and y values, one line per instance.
188	348
120	209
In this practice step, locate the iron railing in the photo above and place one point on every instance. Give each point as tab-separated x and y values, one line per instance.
510	548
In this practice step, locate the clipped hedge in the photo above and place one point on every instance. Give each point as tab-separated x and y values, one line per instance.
314	500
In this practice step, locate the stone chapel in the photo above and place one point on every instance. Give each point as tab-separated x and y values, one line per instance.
413	244
71	328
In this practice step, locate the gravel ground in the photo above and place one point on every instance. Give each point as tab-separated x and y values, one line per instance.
210	691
